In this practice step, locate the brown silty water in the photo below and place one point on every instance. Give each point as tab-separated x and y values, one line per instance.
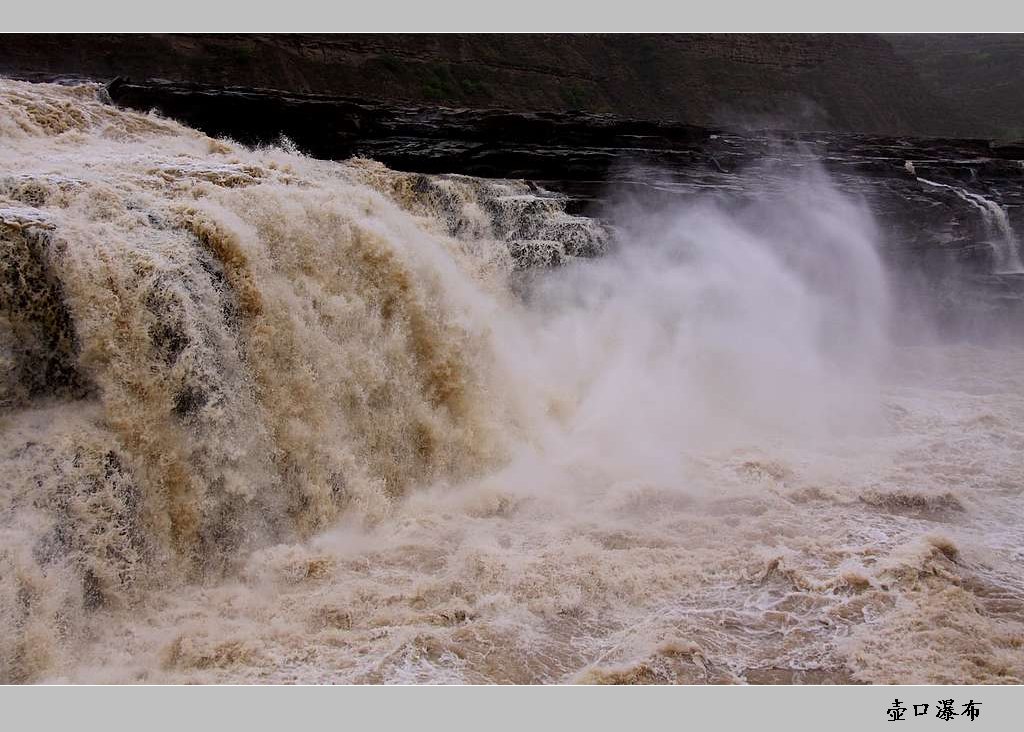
273	419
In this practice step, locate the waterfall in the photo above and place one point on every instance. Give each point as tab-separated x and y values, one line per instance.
1003	240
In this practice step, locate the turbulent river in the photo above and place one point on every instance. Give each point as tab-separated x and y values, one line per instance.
267	418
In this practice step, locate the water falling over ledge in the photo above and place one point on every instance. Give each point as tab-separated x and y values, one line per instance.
1004	241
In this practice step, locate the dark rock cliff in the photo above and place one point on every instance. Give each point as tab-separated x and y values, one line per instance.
822	82
981	72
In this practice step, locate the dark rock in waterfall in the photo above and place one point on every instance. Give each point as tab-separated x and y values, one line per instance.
38	344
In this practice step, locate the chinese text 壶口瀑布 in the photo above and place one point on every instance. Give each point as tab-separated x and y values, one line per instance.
945	710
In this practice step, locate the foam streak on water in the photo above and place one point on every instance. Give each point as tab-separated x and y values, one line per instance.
266	418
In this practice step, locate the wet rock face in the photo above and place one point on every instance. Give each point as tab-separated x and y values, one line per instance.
934	199
581	154
38	348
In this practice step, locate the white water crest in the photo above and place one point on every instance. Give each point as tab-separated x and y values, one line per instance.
1005	245
268	418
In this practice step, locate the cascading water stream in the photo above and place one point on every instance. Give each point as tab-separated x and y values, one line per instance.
1004	242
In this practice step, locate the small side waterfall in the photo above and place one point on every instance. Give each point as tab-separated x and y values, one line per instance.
1003	240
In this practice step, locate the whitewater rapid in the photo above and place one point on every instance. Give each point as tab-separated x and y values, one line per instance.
273	419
